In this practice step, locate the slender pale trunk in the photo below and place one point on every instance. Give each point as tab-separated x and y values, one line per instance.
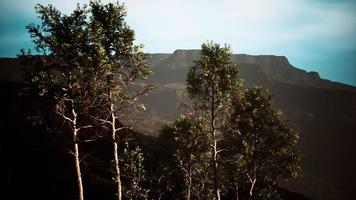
215	169
252	186
76	155
236	189
215	151
115	148
188	187
253	182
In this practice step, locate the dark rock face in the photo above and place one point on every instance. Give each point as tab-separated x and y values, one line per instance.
321	110
11	70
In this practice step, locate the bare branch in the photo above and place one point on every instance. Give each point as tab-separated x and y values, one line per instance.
84	157
65	117
122	128
90	140
223	150
71	152
84	127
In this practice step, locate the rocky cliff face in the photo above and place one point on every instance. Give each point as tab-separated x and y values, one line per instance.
321	110
260	69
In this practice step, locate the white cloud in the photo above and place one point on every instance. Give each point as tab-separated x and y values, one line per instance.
249	25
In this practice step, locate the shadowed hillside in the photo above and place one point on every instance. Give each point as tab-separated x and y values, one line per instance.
322	111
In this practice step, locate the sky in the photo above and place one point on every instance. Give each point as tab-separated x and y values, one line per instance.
315	35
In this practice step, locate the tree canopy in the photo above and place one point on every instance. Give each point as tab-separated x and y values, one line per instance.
260	144
88	64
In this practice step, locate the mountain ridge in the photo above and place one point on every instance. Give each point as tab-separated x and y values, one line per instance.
321	110
275	67
12	70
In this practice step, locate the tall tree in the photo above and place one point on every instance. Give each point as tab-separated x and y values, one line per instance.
88	64
262	148
63	70
120	63
210	82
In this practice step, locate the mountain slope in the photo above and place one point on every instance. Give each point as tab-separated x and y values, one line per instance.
322	111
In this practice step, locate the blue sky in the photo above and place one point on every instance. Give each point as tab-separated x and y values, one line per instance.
315	35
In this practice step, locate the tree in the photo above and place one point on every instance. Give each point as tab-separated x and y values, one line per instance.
88	64
120	64
210	81
133	173
262	148
186	144
63	70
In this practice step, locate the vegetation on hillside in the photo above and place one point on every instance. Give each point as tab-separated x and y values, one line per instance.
230	144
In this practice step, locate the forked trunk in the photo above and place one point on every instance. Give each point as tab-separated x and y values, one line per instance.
188	187
253	182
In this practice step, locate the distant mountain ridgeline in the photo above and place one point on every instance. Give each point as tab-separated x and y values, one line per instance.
321	110
260	69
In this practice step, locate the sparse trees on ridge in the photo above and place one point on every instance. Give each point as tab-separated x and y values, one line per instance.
236	144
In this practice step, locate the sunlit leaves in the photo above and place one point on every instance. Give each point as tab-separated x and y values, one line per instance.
262	143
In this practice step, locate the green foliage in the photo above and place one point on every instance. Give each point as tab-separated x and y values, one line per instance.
88	60
119	60
268	192
134	174
88	64
260	143
87	51
186	144
212	78
210	83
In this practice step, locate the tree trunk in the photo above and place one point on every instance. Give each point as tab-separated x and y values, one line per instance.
236	188
76	155
117	171
115	149
79	175
215	170
188	188
215	151
253	182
